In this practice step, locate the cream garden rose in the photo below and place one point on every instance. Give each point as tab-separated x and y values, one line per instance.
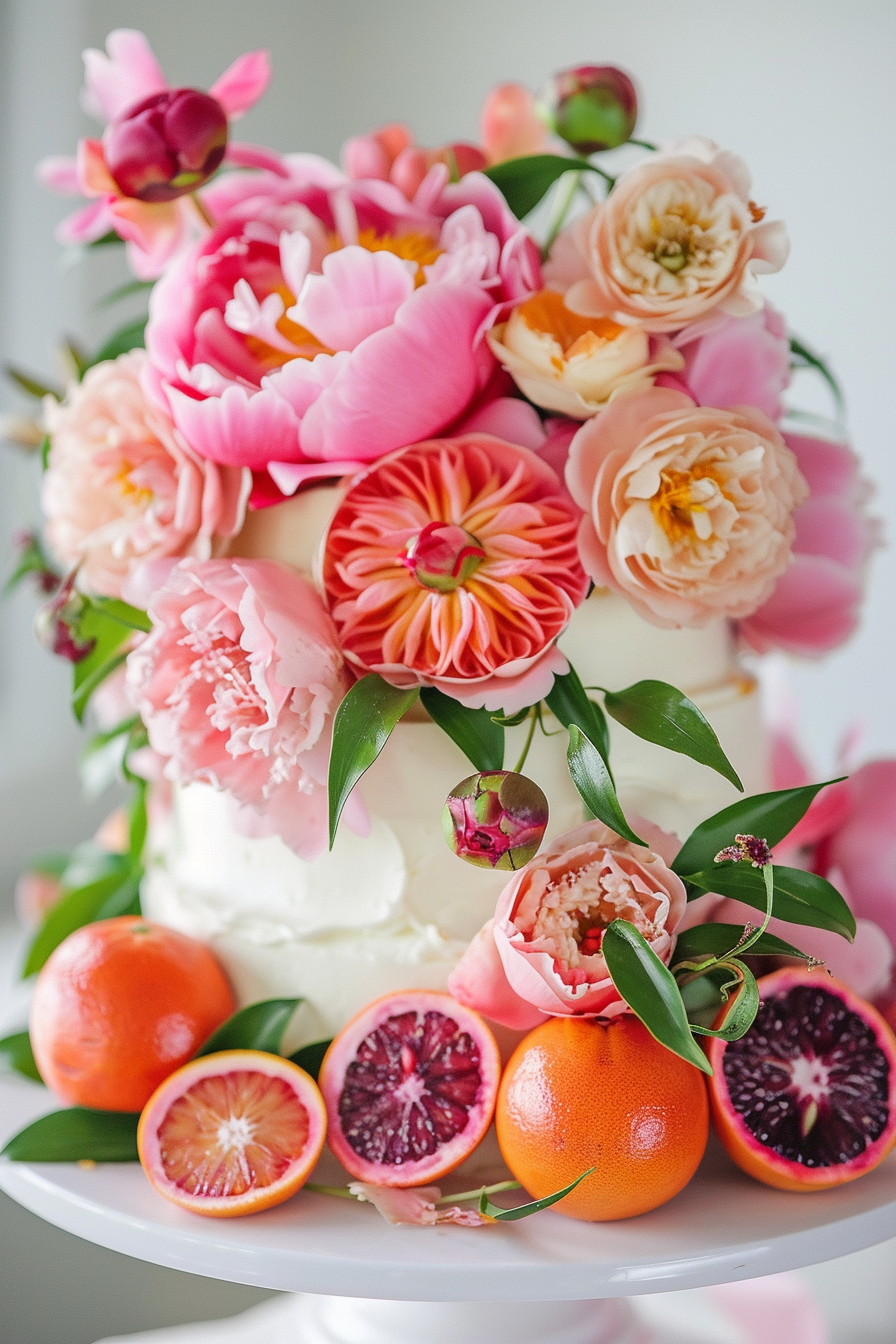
573	364
688	510
677	237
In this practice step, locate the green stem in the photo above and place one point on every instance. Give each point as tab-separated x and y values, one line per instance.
644	144
517	769
741	946
340	1191
768	873
476	1194
561	210
201	211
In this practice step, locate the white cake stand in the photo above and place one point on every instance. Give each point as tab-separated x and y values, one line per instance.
545	1280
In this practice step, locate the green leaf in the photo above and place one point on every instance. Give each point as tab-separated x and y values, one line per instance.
592	779
512	720
742	1008
138	821
568	702
123	613
769	815
717	939
490	1210
102	760
45	446
124	292
807	358
110	622
16	1053
129	337
76	357
650	990
361	729
32	386
77	1135
85	685
107	240
310	1057
800	897
108	896
32	560
258	1027
523	182
473	730
659	713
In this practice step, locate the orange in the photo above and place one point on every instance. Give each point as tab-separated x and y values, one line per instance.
232	1133
120	1005
582	1092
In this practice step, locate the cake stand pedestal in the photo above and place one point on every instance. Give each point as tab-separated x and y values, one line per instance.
546	1280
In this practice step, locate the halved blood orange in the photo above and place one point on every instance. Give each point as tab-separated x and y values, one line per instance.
410	1087
232	1133
806	1099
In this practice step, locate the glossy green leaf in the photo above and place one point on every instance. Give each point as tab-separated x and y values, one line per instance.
32	560
650	990
109	239
592	779
808	359
361	729
310	1057
258	1027
659	713
800	897
115	893
77	1135
138	821
743	1006
125	291
16	1054
718	939
123	613
33	387
477	734
131	336
490	1210
569	703
523	182
45	447
768	815
512	720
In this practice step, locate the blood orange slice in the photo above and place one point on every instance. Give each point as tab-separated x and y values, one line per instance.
806	1099
410	1087
232	1133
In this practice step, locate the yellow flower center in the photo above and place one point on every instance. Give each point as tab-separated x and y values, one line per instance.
418	247
138	495
680	503
574	334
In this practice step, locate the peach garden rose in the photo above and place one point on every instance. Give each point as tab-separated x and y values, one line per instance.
688	509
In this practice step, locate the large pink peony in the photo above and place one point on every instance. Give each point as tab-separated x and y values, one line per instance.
453	564
677	238
815	604
121	485
237	683
541	955
689	510
324	322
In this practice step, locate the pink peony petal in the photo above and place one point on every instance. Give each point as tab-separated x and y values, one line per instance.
237	429
813	608
243	83
479	981
127	75
94	178
507	418
59	173
86	225
864	847
288	476
242	155
510	127
359	293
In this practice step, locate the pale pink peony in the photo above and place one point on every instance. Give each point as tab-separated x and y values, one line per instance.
689	510
510	127
541	956
325	322
677	238
738	361
121	485
816	602
453	564
237	684
113	84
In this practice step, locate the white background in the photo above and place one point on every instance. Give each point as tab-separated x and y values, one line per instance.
804	91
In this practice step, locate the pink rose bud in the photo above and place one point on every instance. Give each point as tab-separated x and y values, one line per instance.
166	145
56	625
443	556
591	107
495	820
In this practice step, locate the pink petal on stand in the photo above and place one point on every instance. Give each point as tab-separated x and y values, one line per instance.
126	76
243	83
779	1309
358	293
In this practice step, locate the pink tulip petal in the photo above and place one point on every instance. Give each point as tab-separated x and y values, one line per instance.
479	981
126	76
358	293
237	429
59	173
243	83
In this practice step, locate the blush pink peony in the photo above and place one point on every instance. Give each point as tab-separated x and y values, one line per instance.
541	955
677	238
738	361
121	485
815	604
324	322
237	684
453	564
689	510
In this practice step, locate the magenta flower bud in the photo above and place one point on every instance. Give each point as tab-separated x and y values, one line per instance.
495	820
167	145
591	107
56	625
443	556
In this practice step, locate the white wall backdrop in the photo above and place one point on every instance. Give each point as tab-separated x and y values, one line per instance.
803	90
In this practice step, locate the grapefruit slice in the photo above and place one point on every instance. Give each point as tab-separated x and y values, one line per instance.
806	1099
232	1133
410	1087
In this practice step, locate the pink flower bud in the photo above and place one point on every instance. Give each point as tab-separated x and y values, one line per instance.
56	624
443	556
166	145
495	820
591	107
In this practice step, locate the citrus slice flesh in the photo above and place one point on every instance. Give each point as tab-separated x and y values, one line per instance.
232	1133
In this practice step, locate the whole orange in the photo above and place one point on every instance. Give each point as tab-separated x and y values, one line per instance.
582	1092
119	1006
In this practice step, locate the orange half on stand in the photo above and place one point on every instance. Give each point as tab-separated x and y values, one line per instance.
232	1133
